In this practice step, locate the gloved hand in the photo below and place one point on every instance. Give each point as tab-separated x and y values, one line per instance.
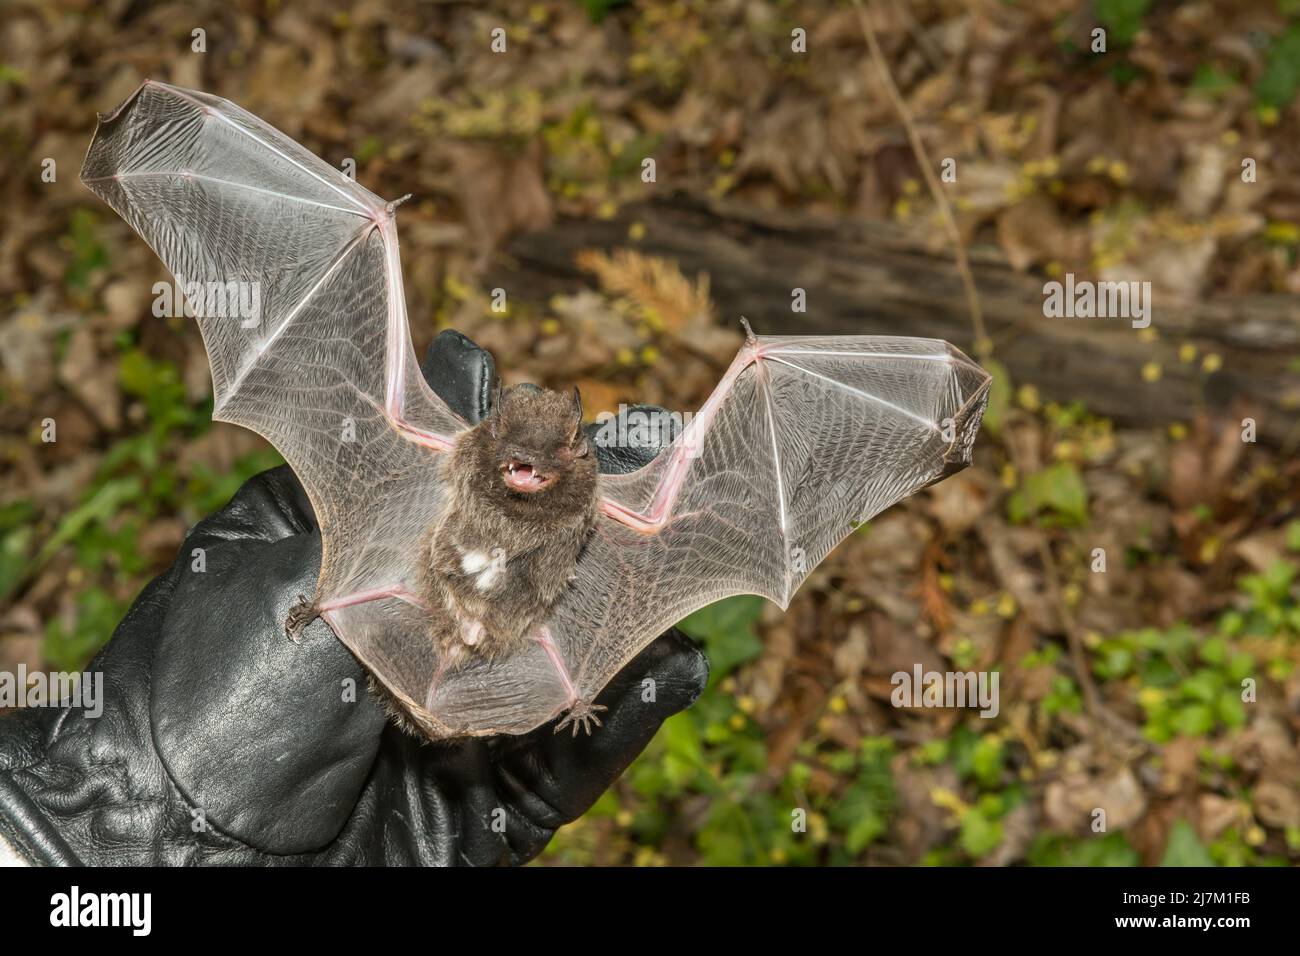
223	742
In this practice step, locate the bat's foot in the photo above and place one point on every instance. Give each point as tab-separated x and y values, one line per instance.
300	615
582	714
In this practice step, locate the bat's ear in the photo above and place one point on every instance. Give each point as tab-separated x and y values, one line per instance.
577	413
494	413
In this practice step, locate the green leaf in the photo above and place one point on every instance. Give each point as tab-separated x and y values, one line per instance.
726	629
1113	849
1212	82
1195	720
979	835
1185	848
1231	710
1293	536
597	10
1281	78
1059	491
1122	18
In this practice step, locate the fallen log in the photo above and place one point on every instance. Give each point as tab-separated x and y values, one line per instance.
873	277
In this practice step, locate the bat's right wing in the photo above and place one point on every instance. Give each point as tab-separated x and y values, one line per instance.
804	439
296	271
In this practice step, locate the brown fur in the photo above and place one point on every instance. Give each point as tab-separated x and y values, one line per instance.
533	538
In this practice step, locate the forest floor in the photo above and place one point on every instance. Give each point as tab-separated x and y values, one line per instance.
1121	689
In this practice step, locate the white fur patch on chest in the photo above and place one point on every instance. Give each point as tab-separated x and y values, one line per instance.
485	567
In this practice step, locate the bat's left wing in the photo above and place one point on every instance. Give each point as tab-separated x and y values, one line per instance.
805	438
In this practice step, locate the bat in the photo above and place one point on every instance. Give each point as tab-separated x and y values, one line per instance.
804	438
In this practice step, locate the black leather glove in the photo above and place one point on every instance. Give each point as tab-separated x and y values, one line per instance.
223	742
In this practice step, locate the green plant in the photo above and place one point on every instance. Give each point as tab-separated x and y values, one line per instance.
1055	496
1280	80
1123	19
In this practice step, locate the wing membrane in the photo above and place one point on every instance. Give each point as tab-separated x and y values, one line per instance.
805	439
325	369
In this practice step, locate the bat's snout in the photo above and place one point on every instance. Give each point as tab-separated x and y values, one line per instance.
521	473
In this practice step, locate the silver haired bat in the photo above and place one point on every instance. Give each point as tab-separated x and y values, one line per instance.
803	438
521	504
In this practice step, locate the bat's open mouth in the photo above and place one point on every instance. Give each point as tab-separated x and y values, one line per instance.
522	476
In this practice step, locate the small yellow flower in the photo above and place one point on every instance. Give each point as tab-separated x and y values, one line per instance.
1178	431
1027	396
817	828
1211	363
947	800
737	722
746	703
550	326
1283	233
1006	605
1151	372
1187	353
636	231
1151	697
1230	137
838	705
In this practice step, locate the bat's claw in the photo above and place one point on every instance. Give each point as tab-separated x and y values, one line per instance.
300	615
582	714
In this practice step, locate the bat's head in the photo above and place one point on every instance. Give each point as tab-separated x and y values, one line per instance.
532	448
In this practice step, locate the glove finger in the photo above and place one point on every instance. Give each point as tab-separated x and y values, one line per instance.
632	438
461	373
